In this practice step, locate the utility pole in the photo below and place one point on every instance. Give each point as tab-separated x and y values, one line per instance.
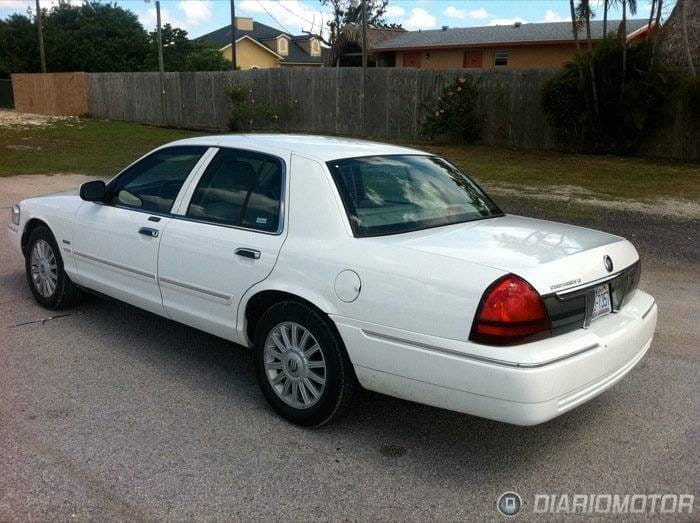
233	35
161	67
42	54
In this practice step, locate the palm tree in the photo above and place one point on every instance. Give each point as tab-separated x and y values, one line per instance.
574	25
584	12
606	4
632	4
651	18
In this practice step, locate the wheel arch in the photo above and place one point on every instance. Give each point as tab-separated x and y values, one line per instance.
29	227
256	305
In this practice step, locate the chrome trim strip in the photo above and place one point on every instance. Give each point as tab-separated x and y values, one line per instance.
115	265
195	288
592	283
653	302
475	357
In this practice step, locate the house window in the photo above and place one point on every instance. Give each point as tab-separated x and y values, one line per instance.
315	47
501	58
282	46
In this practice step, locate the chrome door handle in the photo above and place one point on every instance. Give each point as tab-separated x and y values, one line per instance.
148	231
248	253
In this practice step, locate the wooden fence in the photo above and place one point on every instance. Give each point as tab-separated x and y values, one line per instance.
327	101
50	93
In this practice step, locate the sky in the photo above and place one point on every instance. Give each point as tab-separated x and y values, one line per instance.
199	17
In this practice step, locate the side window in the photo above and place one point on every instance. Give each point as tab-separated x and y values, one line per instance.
239	188
501	58
153	183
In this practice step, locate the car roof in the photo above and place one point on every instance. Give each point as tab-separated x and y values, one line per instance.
323	148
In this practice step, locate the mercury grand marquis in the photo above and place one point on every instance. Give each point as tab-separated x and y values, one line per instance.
344	263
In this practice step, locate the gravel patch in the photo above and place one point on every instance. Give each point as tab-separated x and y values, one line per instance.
14	120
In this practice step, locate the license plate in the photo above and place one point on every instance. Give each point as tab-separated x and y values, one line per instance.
601	304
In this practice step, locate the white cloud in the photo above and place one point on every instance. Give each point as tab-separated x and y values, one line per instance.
24	6
188	15
507	21
419	19
196	11
15	4
149	19
293	15
553	16
394	11
476	14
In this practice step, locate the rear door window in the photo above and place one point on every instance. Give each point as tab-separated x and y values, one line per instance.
241	189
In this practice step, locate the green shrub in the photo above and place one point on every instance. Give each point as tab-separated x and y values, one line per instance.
248	114
454	114
624	118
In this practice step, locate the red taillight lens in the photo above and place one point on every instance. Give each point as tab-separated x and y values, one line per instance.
511	312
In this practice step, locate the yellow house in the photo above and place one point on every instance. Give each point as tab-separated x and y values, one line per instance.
517	46
259	46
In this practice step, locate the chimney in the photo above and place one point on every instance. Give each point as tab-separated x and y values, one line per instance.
244	23
517	24
445	28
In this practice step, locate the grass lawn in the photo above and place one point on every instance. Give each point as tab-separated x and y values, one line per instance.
103	148
83	146
609	177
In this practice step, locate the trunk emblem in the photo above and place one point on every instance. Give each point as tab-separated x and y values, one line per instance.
607	261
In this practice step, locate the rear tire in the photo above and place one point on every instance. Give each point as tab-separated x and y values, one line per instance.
302	366
49	283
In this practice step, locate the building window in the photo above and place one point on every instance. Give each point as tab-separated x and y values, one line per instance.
501	58
282	47
315	47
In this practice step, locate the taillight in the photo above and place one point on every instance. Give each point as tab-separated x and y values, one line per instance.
511	311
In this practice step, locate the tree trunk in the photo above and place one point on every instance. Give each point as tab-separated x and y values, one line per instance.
606	3
623	30
686	42
574	25
651	18
657	29
591	68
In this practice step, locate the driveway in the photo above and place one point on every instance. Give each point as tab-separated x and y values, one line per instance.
108	412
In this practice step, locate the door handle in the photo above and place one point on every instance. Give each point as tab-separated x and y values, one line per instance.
248	253
148	231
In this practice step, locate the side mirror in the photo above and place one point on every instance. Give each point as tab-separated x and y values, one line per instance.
95	191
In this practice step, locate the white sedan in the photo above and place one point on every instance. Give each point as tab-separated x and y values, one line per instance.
343	263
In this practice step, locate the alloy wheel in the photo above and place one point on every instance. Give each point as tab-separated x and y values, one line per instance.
44	268
294	365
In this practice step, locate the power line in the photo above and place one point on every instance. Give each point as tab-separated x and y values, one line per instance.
296	14
274	19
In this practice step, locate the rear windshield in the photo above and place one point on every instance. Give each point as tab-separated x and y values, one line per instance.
400	193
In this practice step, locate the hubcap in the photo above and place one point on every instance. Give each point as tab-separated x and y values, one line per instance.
294	365
44	269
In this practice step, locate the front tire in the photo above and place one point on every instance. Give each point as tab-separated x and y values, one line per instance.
301	365
47	280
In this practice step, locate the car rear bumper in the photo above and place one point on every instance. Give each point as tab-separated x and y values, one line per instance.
523	385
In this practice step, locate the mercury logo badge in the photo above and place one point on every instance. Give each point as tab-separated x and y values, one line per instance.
509	504
607	261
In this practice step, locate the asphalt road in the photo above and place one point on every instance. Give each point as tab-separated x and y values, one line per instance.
113	413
